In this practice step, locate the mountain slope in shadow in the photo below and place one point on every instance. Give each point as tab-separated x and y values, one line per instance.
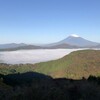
44	87
24	78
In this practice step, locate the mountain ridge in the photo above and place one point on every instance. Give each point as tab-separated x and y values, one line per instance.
78	41
72	41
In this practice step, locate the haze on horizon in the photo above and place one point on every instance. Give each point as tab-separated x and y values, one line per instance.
48	21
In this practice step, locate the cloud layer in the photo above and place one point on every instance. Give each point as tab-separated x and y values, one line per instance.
33	56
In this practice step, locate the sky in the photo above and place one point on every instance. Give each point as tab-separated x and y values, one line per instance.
48	21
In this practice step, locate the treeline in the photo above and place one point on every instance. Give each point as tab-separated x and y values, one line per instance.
37	86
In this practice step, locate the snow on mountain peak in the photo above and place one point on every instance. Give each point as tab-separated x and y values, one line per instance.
74	35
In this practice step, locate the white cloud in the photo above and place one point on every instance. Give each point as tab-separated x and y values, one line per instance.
33	56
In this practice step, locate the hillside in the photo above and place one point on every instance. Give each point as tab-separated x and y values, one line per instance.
36	86
62	46
75	65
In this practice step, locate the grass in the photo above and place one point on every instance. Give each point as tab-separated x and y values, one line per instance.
11	69
75	65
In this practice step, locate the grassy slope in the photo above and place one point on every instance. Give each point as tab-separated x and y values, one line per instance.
11	69
75	65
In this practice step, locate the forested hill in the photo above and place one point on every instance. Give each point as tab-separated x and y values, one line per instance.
75	65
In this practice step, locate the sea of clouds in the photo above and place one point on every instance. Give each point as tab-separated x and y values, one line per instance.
33	56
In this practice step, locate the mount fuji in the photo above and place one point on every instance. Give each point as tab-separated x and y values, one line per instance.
78	41
75	41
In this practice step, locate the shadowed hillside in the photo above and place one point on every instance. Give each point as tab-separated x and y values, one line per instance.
36	86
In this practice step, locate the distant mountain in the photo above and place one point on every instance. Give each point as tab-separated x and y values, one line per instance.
26	47
73	41
78	41
97	46
11	45
63	45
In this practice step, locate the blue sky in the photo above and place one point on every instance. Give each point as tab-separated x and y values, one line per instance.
47	21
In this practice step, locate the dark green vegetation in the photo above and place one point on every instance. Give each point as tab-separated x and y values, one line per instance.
22	82
11	69
76	65
36	86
